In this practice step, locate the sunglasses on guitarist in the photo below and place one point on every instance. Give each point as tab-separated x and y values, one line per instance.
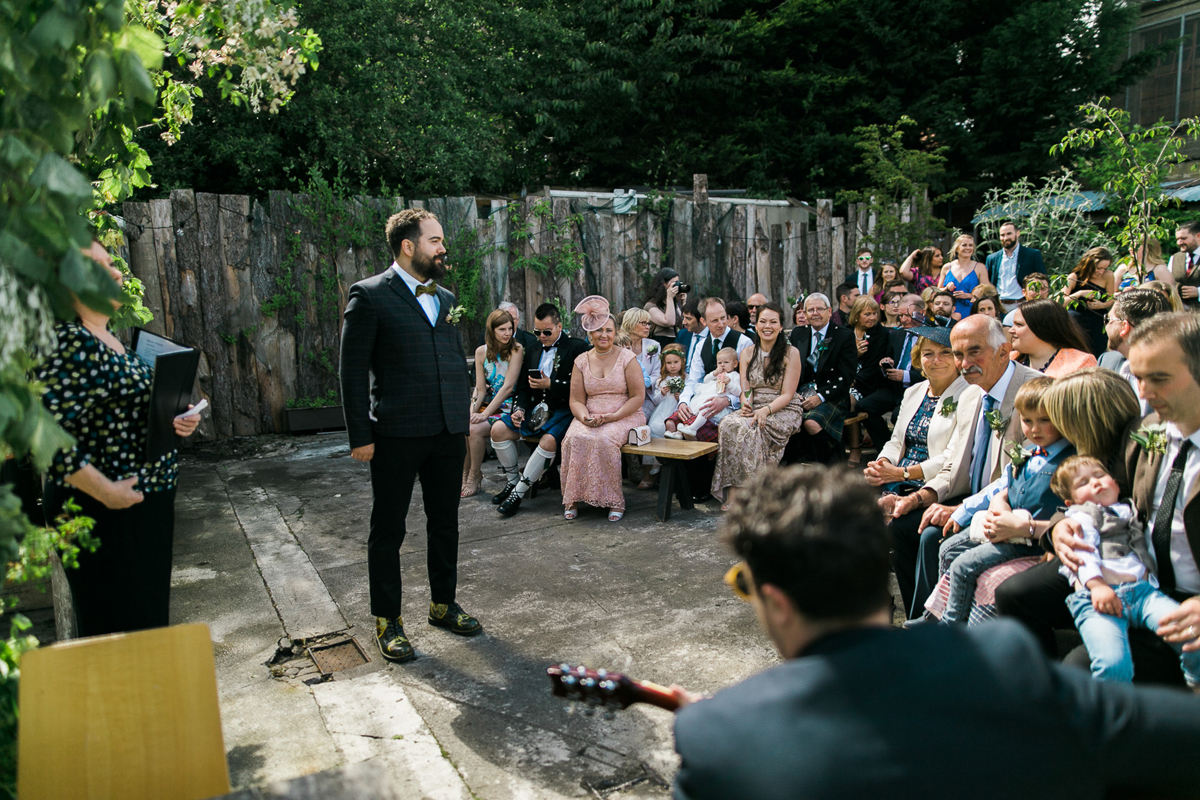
738	580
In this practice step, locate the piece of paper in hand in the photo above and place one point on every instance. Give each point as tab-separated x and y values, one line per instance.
194	412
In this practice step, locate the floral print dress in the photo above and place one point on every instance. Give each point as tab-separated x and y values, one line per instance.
102	398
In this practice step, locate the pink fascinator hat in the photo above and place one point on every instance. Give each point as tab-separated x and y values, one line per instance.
593	311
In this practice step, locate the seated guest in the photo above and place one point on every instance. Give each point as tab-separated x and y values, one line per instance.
846	294
739	318
497	368
692	327
1132	308
721	382
798	317
635	323
665	303
898	372
717	337
1022	499
753	303
893	301
1162	354
1115	586
943	313
828	363
541	407
861	710
987	301
1035	286
871	344
916	308
523	337
1045	338
607	393
663	398
927	422
976	459
757	435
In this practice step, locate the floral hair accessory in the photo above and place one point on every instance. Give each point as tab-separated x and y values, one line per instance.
593	311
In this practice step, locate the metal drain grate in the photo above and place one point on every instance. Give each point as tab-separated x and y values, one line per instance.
338	656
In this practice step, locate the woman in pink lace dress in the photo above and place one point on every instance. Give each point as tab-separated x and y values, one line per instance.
607	391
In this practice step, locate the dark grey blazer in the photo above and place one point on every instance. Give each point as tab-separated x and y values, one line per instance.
935	712
420	385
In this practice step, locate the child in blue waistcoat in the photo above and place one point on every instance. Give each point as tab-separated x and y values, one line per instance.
1023	490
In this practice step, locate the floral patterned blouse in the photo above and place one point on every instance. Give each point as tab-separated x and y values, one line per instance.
102	398
916	436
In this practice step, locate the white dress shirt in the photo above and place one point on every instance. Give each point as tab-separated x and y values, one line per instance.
865	278
696	364
549	351
1009	288
429	302
1187	576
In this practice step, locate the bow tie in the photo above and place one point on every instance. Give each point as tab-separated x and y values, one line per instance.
546	348
430	289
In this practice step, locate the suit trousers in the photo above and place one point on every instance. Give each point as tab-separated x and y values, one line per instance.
915	560
1037	598
875	405
126	584
398	462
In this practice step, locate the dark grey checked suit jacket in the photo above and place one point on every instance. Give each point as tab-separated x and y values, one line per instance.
420	378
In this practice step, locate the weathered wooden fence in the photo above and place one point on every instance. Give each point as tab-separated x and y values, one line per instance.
260	287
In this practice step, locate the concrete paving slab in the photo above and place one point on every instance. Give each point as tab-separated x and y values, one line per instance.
637	596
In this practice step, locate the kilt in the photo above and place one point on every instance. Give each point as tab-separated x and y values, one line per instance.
831	417
556	424
707	432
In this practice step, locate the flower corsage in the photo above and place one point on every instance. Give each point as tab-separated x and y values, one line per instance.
949	407
1151	438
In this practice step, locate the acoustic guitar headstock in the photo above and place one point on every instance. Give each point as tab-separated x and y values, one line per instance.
611	690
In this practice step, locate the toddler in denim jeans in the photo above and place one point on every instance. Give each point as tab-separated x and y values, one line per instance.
1020	497
1116	586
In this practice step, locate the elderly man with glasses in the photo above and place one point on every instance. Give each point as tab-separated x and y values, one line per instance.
861	709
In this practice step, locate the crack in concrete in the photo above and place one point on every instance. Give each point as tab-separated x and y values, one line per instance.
253	556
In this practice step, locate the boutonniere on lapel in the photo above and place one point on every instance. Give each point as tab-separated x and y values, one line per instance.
652	350
997	423
1151	438
949	406
557	361
455	314
822	347
1016	454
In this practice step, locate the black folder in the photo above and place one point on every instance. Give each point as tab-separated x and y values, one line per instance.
174	365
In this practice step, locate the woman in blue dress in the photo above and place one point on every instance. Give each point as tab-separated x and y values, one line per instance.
962	274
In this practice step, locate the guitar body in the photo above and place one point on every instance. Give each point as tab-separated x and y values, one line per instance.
607	689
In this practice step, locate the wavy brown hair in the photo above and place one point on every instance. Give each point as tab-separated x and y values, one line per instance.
1087	265
495	350
1052	323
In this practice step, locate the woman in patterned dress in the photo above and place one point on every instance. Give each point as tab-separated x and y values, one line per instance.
100	394
497	367
607	393
756	435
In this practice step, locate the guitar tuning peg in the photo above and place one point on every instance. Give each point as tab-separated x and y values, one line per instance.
565	667
601	673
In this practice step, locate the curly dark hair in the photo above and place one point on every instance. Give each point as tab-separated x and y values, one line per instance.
816	533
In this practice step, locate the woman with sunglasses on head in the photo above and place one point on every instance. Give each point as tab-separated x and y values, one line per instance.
963	274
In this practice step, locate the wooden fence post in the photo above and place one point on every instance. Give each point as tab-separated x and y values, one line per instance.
820	280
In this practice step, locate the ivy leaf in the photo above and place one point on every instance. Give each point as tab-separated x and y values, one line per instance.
135	83
55	175
147	45
39	434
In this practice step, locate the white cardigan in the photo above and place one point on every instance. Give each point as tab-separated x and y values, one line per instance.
942	429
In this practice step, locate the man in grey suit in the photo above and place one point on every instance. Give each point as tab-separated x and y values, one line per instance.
860	709
409	421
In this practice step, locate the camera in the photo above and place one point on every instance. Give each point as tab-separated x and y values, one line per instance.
685	288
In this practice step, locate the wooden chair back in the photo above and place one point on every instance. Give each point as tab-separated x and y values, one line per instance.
129	716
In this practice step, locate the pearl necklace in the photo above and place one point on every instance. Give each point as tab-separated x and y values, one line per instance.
600	352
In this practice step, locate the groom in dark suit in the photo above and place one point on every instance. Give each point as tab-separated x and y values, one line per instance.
861	709
410	423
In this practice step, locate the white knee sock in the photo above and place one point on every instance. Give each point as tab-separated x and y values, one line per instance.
506	454
534	468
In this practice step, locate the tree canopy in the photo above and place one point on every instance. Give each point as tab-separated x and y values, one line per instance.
489	95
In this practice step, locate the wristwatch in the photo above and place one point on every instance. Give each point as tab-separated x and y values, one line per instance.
905	473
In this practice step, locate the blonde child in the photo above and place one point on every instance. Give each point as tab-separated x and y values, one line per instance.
724	380
664	397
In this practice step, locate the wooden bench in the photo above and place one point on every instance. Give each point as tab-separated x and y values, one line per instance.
673	480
